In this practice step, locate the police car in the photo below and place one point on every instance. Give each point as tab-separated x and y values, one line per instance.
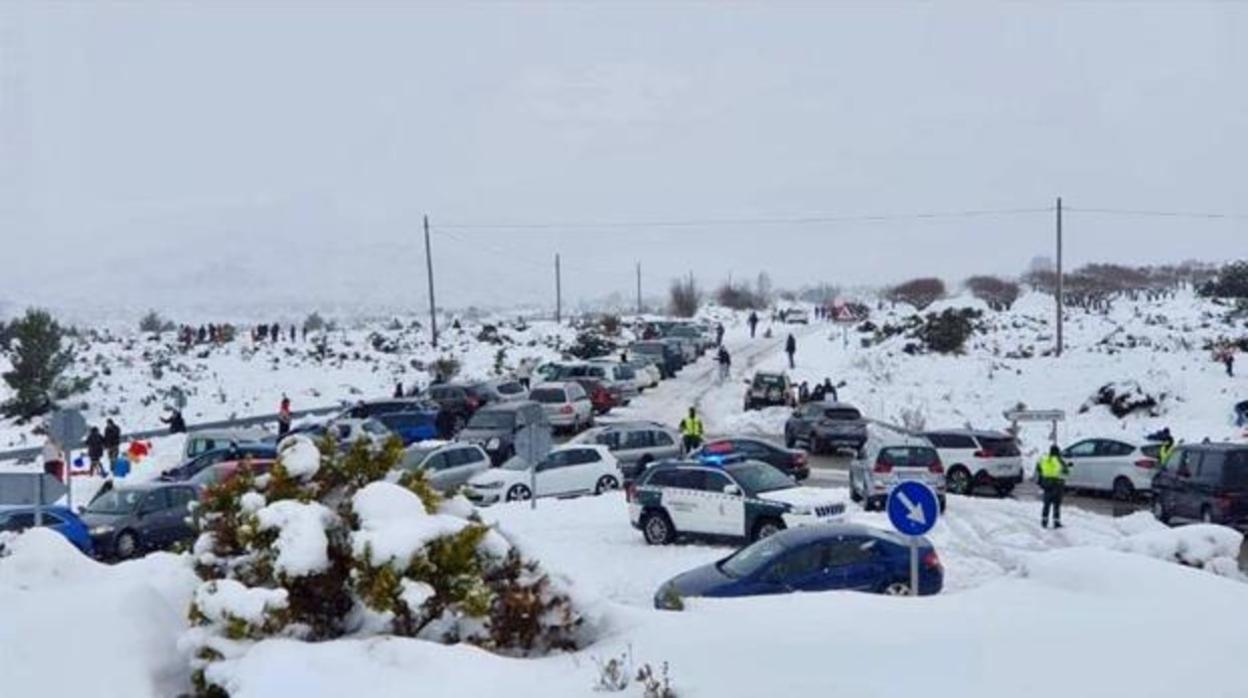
738	500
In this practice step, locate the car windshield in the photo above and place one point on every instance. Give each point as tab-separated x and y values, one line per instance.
766	381
509	388
489	419
516	463
757	478
752	558
842	414
548	395
116	502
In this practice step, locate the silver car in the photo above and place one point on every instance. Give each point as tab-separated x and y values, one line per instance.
891	458
635	444
448	466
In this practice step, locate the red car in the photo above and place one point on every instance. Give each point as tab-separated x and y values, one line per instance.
599	396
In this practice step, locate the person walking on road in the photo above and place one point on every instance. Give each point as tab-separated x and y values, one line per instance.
691	431
790	348
1051	472
725	363
283	418
753	323
95	450
1229	360
112	439
719	334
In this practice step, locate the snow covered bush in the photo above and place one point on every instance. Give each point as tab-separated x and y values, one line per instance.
323	548
947	332
1231	282
1124	398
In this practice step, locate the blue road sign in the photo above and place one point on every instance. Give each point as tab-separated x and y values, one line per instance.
913	508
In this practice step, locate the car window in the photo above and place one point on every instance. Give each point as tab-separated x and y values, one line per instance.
842	414
1235	470
805	560
638	439
1189	462
1211	467
436	462
548	395
714	482
662	438
155	500
1083	449
1115	448
582	456
849	551
558	459
685	478
181	497
456	457
1001	446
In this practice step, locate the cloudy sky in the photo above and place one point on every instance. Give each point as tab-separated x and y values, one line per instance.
235	154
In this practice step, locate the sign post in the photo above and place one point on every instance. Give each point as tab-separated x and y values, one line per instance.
67	428
913	509
1052	416
843	316
533	442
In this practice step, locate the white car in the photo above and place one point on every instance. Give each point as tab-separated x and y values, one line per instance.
797	316
1111	465
347	431
888	459
566	471
567	405
978	458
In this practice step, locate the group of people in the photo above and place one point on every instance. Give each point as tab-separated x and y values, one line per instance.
100	444
821	392
205	334
273	333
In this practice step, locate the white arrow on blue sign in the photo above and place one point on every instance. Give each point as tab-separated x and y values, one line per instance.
913	508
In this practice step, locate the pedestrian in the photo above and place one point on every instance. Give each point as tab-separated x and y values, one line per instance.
790	348
177	425
719	334
283	418
1167	447
818	393
524	372
305	333
803	393
202	335
293	335
112	439
54	460
725	363
829	389
398	389
753	323
445	424
1241	413
1229	360
691	431
624	357
275	332
95	450
1051	472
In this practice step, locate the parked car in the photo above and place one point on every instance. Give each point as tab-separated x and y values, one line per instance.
616	379
888	459
789	461
375	408
648	372
224	471
567	405
17	518
821	427
687	348
348	431
566	471
130	519
412	427
1204	482
509	390
635	444
205	440
827	557
494	428
461	401
599	396
1111	466
796	316
689	335
747	500
668	358
235	452
768	389
621	379
447	465
978	459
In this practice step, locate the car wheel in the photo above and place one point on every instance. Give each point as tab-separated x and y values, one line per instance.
127	545
606	482
1206	514
874	504
1159	510
518	493
657	528
958	480
767	528
897	589
1124	491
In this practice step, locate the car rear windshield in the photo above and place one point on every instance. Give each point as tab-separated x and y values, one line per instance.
910	456
510	388
1235	471
843	414
999	446
762	381
489	419
548	395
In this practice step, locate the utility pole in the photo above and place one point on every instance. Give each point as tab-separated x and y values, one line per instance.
639	288
433	308
558	292
1060	297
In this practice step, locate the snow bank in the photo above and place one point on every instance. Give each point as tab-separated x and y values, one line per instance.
395	525
1198	545
302	544
300	456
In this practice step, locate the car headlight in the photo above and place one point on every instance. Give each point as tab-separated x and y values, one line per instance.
493	444
491	485
101	530
800	511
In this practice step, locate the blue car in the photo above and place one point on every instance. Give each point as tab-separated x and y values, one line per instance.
412	426
59	519
832	557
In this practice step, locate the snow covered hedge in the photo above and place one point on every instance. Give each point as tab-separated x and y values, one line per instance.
322	548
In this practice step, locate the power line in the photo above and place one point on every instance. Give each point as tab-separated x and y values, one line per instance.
1158	214
712	222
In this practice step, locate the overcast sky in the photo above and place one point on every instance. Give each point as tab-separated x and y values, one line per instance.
213	154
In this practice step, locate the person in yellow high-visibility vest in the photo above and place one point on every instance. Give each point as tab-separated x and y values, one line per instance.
1051	472
691	431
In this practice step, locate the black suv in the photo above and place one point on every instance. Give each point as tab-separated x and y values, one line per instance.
826	426
1203	482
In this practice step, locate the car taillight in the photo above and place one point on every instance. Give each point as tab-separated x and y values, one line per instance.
630	491
1222	502
981	453
566	409
936	467
473	402
1146	463
882	466
799	458
932	561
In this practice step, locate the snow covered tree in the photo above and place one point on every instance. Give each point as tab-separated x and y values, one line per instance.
1231	282
998	293
685	297
322	547
40	360
917	292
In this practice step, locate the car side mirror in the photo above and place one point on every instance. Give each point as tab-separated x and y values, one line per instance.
732	490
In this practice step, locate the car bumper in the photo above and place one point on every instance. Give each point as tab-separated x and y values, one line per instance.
795	520
560	419
482	497
883	487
